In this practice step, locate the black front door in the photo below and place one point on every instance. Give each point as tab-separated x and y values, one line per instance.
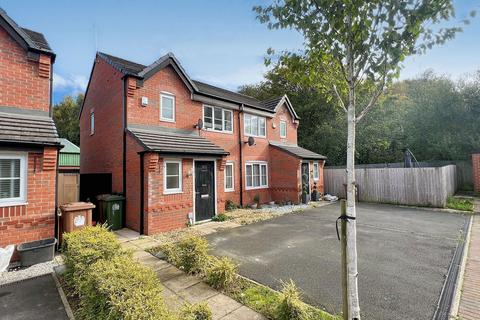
305	177
204	190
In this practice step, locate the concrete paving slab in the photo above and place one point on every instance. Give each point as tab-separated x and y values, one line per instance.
172	300
35	298
222	305
127	234
168	273
243	313
140	254
199	292
179	283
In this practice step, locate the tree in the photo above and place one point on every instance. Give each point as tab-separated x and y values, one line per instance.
65	115
361	43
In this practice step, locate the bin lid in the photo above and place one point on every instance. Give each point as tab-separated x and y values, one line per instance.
110	197
74	206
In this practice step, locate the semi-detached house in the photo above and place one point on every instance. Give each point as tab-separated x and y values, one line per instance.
178	149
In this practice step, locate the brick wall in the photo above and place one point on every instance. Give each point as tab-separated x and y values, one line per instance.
285	176
24	83
476	171
36	219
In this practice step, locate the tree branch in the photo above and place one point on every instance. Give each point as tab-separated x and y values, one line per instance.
342	104
373	100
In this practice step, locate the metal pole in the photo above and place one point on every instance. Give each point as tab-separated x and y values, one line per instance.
343	244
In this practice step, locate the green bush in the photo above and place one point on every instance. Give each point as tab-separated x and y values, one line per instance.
198	311
463	204
230	205
221	273
189	254
291	306
221	217
120	288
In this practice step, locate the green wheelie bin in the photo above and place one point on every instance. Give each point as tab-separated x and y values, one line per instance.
111	210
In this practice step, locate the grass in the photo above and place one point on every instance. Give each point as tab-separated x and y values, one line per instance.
463	204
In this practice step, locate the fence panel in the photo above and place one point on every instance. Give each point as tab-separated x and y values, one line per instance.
408	186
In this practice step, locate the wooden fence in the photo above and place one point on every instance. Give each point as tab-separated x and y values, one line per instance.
406	186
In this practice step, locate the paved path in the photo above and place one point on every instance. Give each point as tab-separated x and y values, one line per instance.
404	255
469	308
179	288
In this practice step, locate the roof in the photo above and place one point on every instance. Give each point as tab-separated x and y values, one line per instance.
68	147
297	151
32	40
141	71
25	128
163	140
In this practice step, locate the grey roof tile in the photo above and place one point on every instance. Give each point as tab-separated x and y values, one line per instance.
164	141
297	151
38	39
27	129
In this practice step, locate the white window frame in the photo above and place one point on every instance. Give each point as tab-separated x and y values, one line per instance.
22	199
180	176
168	96
283	122
260	164
213	119
229	164
251	116
317	176
92	123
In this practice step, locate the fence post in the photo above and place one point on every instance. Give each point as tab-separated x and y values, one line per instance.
343	244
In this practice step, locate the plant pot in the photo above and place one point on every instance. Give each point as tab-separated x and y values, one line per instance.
253	206
36	251
305	198
271	203
315	196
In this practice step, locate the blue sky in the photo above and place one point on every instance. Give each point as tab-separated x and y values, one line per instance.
217	41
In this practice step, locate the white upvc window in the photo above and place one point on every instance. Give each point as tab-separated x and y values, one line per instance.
13	179
229	177
167	107
172	176
218	119
283	129
92	123
256	175
316	172
254	125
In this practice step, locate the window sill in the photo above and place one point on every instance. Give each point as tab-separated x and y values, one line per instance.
251	135
316	179
255	188
229	190
13	204
172	192
167	120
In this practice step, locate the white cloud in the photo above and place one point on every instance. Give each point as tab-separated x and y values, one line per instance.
73	83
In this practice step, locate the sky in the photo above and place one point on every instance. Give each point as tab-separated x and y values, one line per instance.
217	41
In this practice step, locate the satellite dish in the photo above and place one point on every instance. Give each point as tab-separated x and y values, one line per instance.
251	141
199	124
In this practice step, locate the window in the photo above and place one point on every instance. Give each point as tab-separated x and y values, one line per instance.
172	177
283	129
12	179
254	125
218	119
167	107
229	180
315	171
256	175
92	123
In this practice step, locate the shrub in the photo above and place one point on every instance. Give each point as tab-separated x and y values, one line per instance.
291	306
221	273
120	288
221	217
198	311
189	254
230	205
463	204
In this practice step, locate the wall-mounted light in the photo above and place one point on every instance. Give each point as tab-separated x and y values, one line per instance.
144	101
274	125
190	173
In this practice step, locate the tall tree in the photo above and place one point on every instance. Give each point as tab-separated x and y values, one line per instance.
65	115
364	43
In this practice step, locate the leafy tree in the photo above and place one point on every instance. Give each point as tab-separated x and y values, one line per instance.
65	115
361	43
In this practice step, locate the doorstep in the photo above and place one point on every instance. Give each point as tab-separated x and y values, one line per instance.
179	288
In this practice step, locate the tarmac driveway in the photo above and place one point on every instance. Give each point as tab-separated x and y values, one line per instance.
404	255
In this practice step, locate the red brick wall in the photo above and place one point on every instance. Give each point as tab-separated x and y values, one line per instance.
102	152
36	219
476	171
23	83
285	176
274	133
132	209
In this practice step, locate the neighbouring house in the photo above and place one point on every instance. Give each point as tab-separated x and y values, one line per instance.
476	170
28	138
68	184
178	149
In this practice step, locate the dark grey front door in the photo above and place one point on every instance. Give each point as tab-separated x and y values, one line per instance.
305	177
204	190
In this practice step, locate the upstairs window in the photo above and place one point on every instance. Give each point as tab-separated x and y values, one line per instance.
316	173
167	107
254	125
12	179
218	119
283	129
92	123
256	175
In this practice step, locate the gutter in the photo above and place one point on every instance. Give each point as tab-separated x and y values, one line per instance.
240	146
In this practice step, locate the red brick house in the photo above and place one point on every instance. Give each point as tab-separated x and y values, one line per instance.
141	124
28	137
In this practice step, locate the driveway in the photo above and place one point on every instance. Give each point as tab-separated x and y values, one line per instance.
404	255
35	298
